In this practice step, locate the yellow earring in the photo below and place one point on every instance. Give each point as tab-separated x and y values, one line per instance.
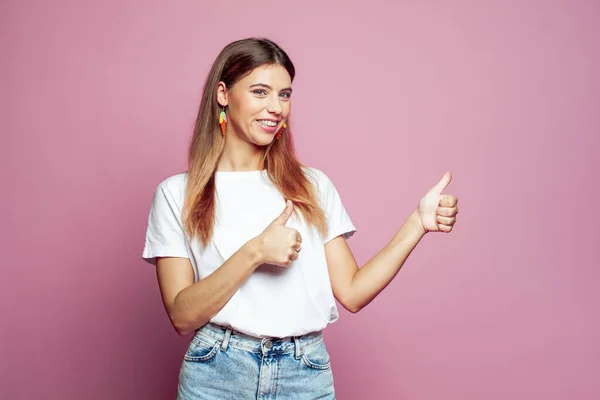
281	131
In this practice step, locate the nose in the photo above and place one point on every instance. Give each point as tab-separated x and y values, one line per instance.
274	105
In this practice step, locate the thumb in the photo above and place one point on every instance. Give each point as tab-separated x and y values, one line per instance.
285	215
443	184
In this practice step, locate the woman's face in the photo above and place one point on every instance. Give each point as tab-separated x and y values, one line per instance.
258	104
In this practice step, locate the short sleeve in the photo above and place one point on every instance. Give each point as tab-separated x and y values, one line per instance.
338	220
165	235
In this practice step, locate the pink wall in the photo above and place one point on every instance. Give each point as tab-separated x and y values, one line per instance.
97	103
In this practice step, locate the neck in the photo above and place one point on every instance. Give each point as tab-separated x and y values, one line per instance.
242	156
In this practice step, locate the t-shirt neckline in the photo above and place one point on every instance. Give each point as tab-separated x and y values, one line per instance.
240	174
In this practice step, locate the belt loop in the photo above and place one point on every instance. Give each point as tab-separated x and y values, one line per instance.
298	348
226	337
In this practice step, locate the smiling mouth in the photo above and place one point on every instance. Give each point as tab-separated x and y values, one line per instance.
267	123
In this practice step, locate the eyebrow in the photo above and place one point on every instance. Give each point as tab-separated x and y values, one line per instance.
288	89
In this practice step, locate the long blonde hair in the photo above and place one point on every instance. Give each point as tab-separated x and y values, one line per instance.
234	62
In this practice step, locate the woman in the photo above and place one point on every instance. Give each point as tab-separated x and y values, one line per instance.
250	245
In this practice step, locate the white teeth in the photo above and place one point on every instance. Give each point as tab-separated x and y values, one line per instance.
267	123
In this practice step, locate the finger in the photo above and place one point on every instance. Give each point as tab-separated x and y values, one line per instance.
447	211
286	262
285	215
293	236
448	201
293	255
444	228
444	182
298	247
445	220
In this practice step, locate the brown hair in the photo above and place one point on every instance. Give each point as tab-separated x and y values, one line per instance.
234	62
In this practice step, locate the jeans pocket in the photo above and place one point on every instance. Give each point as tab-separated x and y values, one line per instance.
201	350
316	356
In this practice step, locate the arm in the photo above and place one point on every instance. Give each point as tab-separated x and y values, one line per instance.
191	305
354	288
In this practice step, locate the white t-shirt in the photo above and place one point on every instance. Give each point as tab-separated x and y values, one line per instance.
274	301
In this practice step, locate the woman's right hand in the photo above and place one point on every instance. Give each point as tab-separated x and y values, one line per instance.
278	244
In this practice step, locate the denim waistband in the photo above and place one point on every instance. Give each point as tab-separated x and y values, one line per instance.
230	337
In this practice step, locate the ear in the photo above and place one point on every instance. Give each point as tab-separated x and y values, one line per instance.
222	94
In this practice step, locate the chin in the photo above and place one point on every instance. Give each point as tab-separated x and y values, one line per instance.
262	139
264	142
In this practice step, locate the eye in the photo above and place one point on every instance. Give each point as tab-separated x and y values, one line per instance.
260	92
286	95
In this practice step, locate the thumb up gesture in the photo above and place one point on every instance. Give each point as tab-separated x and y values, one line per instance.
436	210
279	244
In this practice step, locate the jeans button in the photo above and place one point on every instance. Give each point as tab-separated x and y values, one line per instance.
268	344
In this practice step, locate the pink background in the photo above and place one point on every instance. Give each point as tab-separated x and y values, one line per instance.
97	104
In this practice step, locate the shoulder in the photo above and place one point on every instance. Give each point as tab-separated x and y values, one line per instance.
318	177
174	183
322	184
172	188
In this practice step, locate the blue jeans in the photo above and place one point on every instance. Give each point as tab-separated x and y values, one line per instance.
224	364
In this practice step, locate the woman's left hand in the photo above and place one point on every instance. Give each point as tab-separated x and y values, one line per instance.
437	211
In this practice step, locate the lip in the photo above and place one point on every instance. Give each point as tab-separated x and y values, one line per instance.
268	129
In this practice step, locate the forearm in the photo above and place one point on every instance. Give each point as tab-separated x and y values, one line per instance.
376	274
195	305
